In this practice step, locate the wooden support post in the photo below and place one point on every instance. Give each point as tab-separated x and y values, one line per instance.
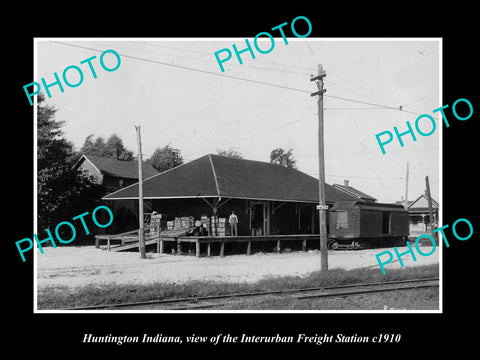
222	249
249	247
208	249
174	246
160	246
197	248
179	247
278	246
108	243
312	220
97	242
304	245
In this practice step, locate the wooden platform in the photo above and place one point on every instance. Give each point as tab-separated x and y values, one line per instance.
130	241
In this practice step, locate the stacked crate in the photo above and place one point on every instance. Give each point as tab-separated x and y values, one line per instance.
188	222
177	223
214	225
223	227
184	222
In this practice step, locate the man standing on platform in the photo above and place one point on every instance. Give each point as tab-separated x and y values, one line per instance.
233	220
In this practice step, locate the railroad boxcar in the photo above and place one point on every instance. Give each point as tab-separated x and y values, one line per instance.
360	224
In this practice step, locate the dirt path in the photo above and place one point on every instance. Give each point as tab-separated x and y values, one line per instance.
78	266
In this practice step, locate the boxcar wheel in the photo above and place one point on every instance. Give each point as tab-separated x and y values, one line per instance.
332	245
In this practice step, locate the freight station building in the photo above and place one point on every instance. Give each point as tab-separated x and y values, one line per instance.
268	199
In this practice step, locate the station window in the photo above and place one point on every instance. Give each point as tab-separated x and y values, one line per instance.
342	219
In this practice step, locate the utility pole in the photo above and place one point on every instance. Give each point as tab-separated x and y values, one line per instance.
141	233
430	210
406	190
322	207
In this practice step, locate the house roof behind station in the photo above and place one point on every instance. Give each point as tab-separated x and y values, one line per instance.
221	176
355	192
118	168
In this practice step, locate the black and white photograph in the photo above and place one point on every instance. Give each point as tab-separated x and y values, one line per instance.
256	183
229	191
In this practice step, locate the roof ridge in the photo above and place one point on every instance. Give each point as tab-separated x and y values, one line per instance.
214	173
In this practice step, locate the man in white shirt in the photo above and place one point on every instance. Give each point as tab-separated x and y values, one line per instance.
233	220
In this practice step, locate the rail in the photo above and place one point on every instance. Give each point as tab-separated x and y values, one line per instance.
299	293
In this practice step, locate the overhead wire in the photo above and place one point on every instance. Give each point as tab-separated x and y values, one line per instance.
421	98
267	130
362	87
378	106
369	103
191	69
366	152
239	78
213	61
258	61
328	80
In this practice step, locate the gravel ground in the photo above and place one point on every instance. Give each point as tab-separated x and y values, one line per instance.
78	266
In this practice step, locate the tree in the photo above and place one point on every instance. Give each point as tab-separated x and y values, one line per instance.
280	157
52	148
63	192
115	148
112	148
165	158
232	152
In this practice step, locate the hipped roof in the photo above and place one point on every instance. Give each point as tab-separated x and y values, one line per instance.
220	176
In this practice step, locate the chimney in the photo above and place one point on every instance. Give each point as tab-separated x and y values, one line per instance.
346	182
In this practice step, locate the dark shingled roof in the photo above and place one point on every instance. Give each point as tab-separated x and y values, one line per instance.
367	205
357	193
119	168
215	175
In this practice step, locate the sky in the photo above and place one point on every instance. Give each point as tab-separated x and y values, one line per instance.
172	89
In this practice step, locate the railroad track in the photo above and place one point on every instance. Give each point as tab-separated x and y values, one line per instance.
205	302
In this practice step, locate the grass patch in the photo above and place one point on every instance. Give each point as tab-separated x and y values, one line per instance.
420	299
61	298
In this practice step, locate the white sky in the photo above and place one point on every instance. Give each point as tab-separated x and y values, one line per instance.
199	113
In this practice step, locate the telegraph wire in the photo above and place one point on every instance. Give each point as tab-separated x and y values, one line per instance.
400	108
240	78
266	131
360	177
205	60
336	84
366	154
258	61
192	69
362	87
421	98
362	108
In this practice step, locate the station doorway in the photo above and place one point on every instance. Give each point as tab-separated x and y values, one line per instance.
260	218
